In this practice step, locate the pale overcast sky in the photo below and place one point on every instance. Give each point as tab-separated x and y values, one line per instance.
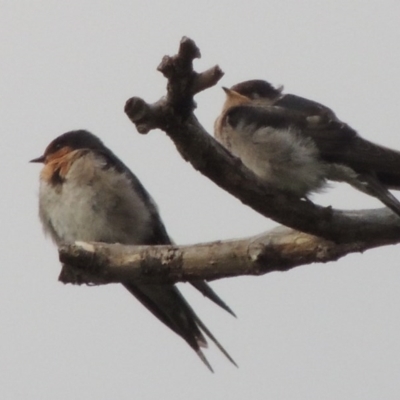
317	332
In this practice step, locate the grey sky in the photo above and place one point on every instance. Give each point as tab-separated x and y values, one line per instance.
318	332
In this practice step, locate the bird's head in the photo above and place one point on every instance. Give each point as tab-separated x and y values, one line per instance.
67	143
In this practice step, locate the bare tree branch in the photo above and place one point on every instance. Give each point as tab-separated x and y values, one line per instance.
329	234
279	250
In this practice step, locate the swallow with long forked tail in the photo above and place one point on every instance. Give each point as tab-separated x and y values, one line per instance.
297	145
88	194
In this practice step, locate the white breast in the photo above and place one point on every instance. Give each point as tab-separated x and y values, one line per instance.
93	204
281	157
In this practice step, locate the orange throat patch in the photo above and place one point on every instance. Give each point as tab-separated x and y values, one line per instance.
57	165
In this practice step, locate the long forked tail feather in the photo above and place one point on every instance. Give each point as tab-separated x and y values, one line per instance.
205	330
204	359
378	190
213	338
171	308
206	290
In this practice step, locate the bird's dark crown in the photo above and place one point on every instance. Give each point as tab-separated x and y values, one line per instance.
80	139
256	89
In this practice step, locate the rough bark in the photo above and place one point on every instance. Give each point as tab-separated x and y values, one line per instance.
278	250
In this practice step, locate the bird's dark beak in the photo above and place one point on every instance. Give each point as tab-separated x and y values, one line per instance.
40	159
225	89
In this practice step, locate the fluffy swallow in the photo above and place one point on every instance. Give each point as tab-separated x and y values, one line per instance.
87	194
297	145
